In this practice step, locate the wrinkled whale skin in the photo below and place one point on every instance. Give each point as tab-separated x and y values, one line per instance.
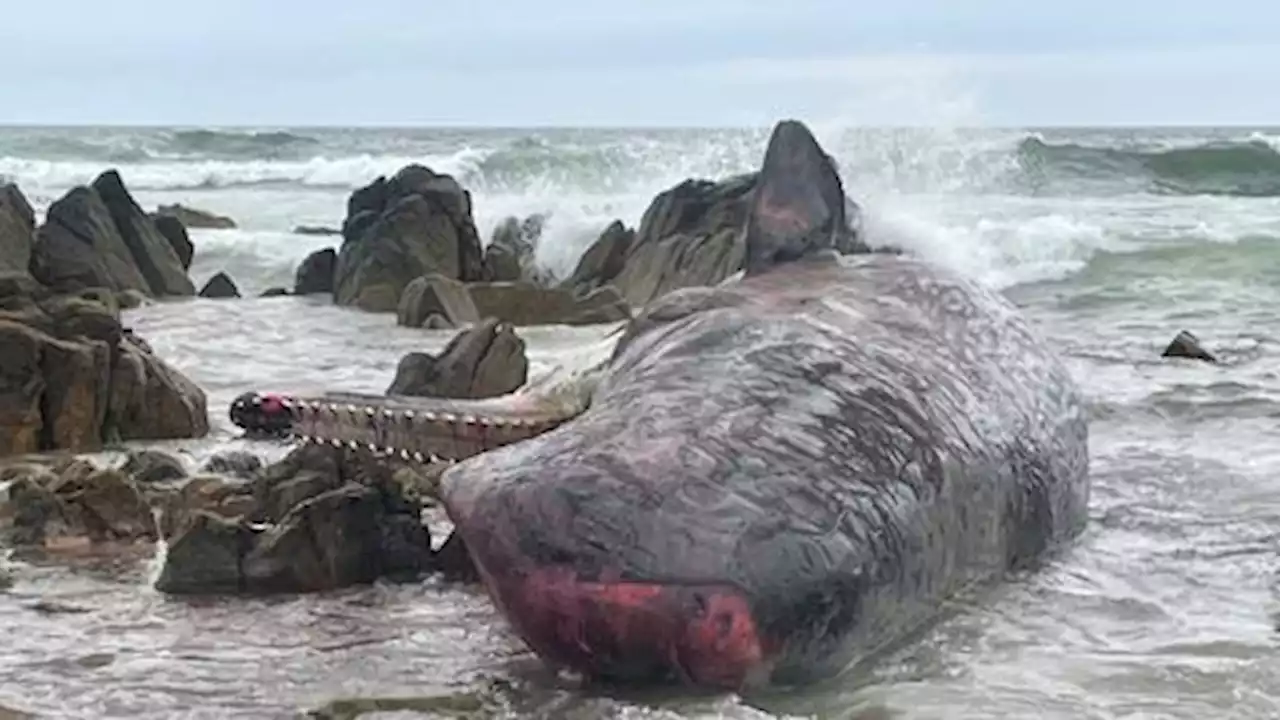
771	479
792	472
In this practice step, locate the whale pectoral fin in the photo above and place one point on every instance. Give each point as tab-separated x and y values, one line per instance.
798	207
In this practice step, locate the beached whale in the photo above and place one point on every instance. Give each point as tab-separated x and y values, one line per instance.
774	478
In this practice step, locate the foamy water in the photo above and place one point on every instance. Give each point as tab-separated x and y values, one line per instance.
1166	608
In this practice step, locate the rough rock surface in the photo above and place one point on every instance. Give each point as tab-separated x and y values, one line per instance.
17	230
176	233
193	218
602	262
98	237
436	301
436	296
220	286
72	377
1187	345
484	361
315	274
416	223
320	519
511	254
72	503
690	235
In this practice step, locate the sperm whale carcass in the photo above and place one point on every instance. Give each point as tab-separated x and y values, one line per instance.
774	478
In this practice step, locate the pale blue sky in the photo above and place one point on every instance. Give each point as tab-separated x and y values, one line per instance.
657	62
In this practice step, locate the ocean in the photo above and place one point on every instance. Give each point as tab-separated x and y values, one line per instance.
1110	240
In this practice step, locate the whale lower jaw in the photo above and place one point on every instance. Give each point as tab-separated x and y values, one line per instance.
623	631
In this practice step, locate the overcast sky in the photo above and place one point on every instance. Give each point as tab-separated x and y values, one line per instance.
656	62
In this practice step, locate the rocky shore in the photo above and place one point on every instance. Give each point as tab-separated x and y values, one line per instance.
77	380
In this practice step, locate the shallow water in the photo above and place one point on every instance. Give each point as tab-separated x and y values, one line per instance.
1165	608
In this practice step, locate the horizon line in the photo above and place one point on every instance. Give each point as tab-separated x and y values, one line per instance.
5	125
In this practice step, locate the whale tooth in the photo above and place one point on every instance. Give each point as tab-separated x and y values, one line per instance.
353	445
286	403
388	414
429	416
404	454
469	420
315	406
370	411
332	407
449	418
257	400
408	414
335	442
419	457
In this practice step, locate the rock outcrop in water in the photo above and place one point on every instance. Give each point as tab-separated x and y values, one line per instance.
220	286
193	218
96	236
690	235
484	361
72	377
416	223
512	252
315	274
320	519
1187	345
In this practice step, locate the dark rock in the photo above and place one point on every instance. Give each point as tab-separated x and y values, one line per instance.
98	237
152	252
484	361
193	218
436	321
71	377
149	467
72	504
414	224
315	230
176	233
1187	345
322	518
436	295
692	235
601	306
523	303
220	286
79	247
315	274
205	557
454	562
511	253
220	496
603	260
17	230
236	463
274	292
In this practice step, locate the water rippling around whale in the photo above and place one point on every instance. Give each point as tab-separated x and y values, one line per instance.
1165	608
